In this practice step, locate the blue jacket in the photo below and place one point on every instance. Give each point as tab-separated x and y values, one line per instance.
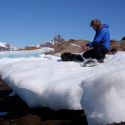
102	36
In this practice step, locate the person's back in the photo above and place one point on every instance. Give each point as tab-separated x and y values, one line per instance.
103	36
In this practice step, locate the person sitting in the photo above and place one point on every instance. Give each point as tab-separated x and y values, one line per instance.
101	42
100	45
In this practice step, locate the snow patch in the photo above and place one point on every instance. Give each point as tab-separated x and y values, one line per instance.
75	45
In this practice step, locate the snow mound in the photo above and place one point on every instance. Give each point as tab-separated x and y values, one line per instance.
26	53
47	81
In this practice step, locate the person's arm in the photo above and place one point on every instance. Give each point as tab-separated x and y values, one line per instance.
99	37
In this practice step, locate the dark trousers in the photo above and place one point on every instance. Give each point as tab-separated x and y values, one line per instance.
98	52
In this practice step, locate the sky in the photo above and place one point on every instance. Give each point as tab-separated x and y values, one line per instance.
29	22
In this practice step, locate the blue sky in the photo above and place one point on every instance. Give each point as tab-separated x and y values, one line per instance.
27	22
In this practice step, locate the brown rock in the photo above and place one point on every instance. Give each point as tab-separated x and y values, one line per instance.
122	44
72	46
29	120
53	122
3	121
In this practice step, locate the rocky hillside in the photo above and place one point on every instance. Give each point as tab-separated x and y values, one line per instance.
73	46
60	45
78	46
117	45
56	40
6	47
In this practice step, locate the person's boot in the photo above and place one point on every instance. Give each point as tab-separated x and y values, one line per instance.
100	60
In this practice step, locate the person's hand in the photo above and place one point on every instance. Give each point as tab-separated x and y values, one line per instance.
85	47
89	44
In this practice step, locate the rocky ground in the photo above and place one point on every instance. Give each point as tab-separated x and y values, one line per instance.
73	46
79	46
